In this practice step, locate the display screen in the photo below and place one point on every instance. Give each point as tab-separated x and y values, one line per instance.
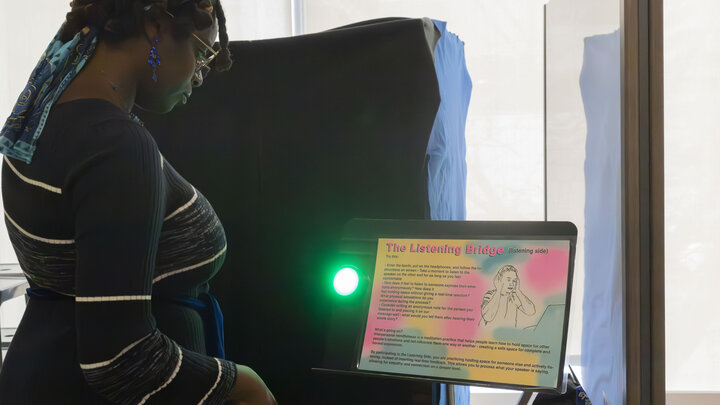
486	311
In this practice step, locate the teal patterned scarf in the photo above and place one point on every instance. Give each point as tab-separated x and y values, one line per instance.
58	66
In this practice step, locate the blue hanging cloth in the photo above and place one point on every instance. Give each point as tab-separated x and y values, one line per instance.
447	170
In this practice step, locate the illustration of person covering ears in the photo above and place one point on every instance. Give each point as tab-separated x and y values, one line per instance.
500	305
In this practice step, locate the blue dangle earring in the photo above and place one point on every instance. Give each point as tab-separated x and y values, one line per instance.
154	60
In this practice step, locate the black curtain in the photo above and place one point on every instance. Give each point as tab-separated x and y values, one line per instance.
300	136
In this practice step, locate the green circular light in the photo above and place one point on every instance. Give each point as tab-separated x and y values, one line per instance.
346	281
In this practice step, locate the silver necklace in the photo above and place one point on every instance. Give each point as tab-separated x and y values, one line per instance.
114	88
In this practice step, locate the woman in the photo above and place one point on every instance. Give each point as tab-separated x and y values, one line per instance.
118	248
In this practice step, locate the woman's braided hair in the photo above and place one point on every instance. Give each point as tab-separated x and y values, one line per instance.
117	20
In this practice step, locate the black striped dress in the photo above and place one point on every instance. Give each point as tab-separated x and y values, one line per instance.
113	234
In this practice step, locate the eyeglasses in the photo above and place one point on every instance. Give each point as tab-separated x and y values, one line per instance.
202	62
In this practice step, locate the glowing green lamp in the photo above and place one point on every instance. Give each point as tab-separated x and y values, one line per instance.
346	281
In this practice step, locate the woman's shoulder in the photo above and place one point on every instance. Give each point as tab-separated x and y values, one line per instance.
85	127
84	134
86	111
84	140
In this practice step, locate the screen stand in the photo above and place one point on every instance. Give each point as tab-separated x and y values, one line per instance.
527	398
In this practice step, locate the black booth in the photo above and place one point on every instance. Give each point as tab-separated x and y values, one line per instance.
302	135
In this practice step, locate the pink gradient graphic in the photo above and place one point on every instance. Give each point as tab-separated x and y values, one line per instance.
432	309
465	329
373	322
547	273
377	323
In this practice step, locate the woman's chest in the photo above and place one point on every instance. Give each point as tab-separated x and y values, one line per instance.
192	241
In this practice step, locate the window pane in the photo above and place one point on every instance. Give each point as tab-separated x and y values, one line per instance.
584	180
692	188
252	19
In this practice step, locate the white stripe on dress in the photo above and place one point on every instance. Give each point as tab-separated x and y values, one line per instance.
38	238
217	381
114	298
194	266
172	377
184	207
108	362
31	181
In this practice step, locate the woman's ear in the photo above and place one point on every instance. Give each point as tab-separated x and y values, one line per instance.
152	30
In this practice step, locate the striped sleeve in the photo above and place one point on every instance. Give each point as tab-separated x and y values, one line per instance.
118	199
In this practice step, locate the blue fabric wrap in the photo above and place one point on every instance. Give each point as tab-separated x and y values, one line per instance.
46	295
447	170
58	66
209	309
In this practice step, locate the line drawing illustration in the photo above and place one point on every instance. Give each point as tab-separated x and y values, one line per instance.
501	304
